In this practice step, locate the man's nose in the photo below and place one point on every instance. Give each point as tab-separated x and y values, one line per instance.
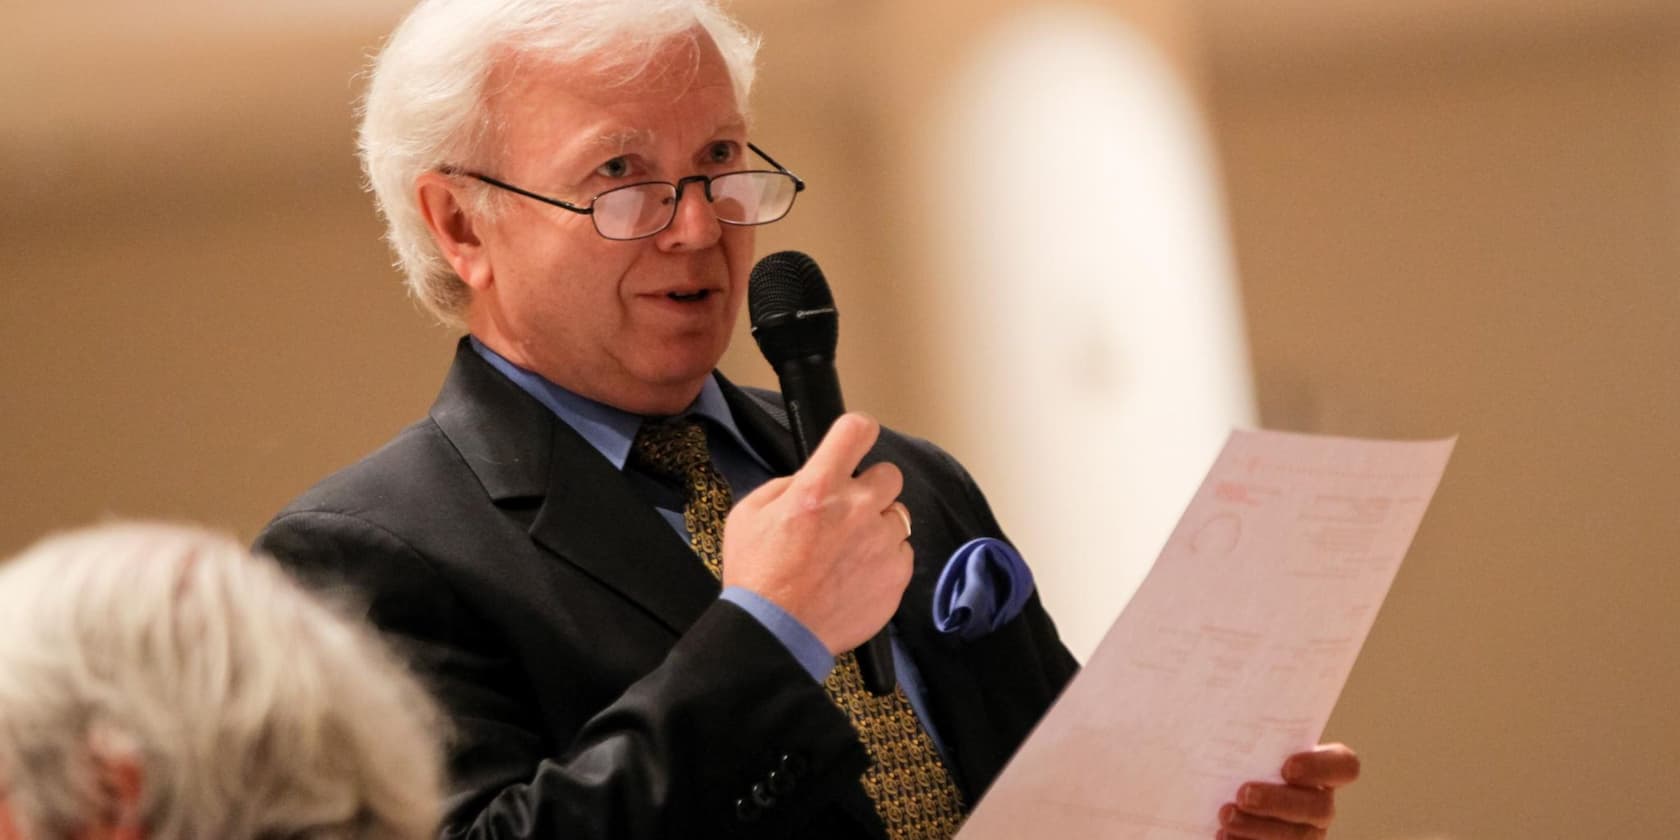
695	224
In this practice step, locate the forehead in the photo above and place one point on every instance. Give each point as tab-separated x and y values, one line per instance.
676	92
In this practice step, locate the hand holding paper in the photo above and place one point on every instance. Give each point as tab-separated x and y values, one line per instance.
1302	806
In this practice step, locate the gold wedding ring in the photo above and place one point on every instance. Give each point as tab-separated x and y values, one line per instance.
904	514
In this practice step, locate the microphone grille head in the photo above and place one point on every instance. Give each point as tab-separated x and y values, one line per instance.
791	308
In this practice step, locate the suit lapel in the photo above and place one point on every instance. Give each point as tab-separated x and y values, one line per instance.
763	423
592	518
589	515
501	433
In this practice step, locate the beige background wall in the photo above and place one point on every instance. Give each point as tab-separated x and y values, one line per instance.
1472	225
1447	218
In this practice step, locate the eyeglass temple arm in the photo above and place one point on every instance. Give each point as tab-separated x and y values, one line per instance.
798	182
500	184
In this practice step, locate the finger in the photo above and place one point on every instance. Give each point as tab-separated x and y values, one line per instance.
906	567
841	449
881	483
1235	824
1328	765
1312	806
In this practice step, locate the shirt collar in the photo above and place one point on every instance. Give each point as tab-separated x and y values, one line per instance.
611	431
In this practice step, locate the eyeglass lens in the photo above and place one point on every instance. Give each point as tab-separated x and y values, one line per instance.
738	198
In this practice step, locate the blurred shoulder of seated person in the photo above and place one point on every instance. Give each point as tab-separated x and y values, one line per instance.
161	682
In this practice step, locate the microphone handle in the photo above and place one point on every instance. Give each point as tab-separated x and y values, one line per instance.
811	392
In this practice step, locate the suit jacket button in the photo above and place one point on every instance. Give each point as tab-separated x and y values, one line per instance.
747	810
782	782
762	796
794	765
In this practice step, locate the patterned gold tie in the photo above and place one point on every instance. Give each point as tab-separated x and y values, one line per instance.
912	791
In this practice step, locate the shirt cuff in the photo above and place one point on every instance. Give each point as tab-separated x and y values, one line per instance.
806	648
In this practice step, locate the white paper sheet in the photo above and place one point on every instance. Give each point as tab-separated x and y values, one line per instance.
1232	653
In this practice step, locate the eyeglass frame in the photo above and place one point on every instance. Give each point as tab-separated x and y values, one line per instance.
589	209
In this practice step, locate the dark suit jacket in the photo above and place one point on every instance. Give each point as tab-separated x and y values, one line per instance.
596	685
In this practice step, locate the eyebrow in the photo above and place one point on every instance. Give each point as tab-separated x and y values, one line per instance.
617	141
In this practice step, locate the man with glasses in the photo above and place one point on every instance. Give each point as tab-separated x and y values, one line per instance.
635	610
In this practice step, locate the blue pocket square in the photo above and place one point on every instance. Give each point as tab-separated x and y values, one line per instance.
983	586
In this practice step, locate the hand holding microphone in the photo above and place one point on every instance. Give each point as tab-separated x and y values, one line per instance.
840	553
824	545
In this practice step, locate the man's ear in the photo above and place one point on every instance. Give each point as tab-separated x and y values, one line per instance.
440	199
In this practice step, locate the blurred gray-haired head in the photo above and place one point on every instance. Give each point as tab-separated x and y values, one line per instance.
244	707
425	102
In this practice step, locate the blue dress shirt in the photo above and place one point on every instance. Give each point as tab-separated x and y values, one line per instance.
612	431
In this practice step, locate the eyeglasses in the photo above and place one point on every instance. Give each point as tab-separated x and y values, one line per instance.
637	211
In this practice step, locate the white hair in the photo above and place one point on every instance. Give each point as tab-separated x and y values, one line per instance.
249	708
425	102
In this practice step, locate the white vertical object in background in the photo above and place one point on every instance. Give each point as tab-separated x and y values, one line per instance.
1094	331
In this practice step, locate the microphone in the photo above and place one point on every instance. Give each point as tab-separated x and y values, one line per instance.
797	328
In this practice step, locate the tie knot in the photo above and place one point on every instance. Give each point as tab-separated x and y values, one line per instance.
675	448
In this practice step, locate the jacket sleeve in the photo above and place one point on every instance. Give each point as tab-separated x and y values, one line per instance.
727	736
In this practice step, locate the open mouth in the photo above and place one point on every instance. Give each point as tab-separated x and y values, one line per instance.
689	297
